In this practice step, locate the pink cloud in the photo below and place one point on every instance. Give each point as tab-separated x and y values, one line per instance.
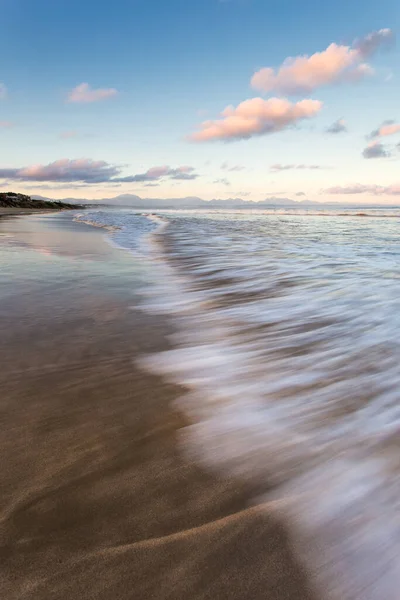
387	128
84	94
91	172
184	170
66	170
183	173
358	188
3	91
256	117
338	63
6	124
156	172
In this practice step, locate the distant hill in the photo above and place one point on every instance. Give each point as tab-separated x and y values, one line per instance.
13	200
193	202
133	201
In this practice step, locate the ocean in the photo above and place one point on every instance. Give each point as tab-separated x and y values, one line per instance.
287	338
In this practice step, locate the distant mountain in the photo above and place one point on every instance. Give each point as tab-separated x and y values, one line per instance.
197	203
145	203
193	202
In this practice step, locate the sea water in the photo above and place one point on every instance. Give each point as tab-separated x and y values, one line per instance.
288	342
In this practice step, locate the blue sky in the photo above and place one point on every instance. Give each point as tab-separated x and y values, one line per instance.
156	70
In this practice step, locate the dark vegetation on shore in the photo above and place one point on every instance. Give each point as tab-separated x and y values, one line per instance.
13	200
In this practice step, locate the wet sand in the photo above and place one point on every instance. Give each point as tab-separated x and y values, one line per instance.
9	212
97	500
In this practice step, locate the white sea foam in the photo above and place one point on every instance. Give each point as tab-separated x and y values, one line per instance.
287	338
126	229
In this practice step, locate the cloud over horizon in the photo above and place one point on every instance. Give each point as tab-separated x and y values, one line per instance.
335	64
256	117
84	94
89	171
226	167
358	188
223	181
183	173
279	167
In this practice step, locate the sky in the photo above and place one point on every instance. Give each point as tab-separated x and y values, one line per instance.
210	98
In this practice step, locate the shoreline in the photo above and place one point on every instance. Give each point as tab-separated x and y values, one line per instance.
97	500
16	212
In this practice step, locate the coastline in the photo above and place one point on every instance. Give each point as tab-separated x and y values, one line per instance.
96	499
11	212
17	212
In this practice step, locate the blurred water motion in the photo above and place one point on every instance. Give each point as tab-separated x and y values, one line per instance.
287	336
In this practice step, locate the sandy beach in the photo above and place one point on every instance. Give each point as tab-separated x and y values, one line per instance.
11	212
97	500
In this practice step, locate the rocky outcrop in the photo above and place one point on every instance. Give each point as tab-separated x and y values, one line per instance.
13	200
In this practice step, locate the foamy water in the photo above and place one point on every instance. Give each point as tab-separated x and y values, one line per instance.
288	338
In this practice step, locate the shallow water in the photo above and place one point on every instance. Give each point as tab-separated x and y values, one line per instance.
288	338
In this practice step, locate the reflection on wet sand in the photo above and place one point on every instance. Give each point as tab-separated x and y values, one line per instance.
96	499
